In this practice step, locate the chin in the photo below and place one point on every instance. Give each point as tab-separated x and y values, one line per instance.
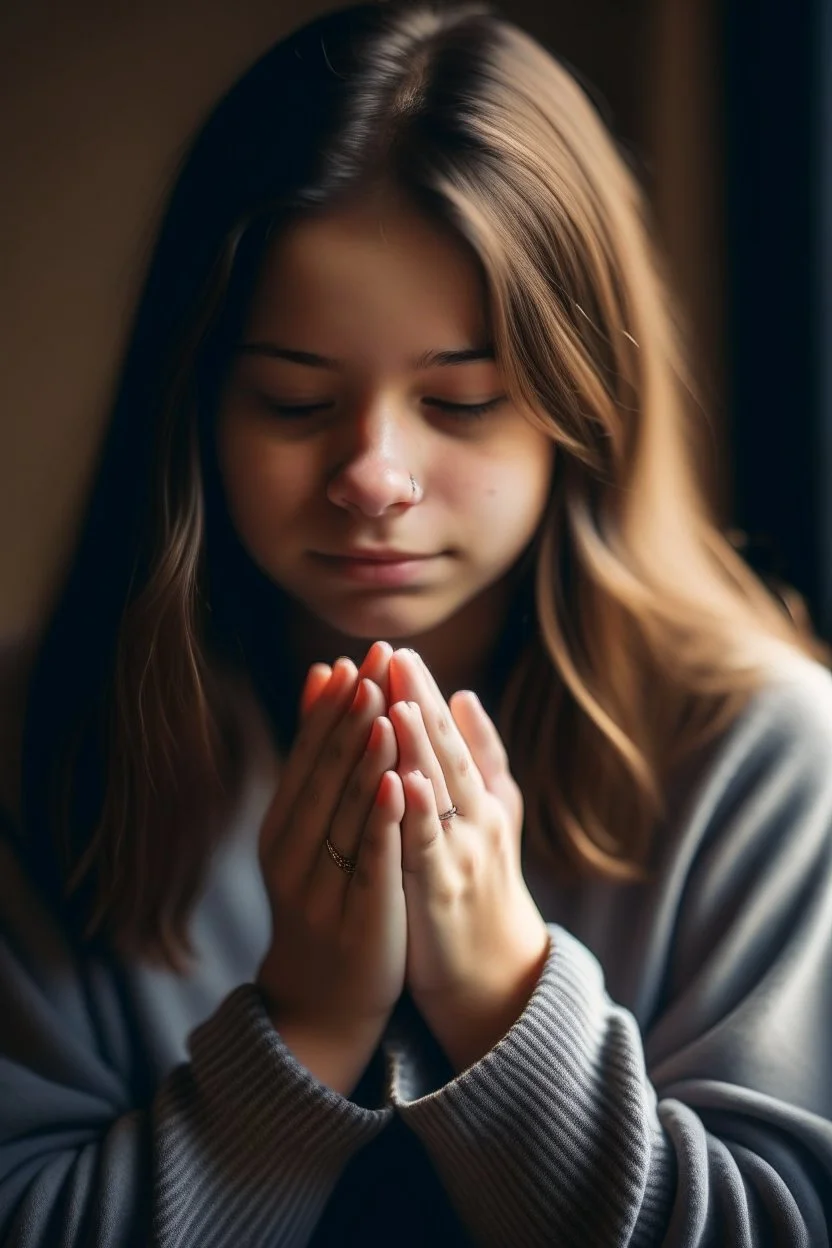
382	618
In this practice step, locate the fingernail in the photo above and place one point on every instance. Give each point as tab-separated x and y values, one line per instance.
340	676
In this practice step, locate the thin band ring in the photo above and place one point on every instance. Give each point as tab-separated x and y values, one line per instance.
347	865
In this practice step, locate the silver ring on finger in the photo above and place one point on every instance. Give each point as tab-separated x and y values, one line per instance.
449	814
347	865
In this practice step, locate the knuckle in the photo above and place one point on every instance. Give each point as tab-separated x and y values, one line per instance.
354	792
311	796
462	765
334	750
444	894
468	865
363	782
495	837
351	801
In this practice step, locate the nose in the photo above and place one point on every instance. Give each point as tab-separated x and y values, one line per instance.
374	474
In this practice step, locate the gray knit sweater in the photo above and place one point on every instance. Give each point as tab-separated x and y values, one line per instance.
670	1081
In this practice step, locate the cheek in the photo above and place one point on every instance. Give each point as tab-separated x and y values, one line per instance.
264	486
503	495
536	481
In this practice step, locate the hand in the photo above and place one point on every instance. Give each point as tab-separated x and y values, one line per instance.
375	667
336	964
476	942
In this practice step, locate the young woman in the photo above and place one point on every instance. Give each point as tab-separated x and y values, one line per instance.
425	833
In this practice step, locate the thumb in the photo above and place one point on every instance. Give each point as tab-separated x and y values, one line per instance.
488	752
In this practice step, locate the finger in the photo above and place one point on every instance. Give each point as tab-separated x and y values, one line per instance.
416	752
423	842
488	751
314	730
377	882
450	747
310	817
317	679
410	666
358	797
376	666
481	736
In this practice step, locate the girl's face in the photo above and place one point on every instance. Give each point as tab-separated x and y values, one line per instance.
366	362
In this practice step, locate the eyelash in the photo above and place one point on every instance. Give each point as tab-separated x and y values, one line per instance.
458	411
463	411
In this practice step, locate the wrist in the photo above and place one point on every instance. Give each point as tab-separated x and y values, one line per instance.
336	1056
469	1031
468	1025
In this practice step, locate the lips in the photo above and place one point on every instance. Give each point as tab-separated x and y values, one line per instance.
378	568
378	556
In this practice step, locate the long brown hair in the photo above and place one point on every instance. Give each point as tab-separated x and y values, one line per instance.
651	631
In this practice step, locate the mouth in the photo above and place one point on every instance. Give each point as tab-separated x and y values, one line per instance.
383	568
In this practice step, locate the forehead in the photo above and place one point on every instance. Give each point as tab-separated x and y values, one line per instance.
375	275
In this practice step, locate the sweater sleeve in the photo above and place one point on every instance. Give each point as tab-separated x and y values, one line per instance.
239	1145
714	1127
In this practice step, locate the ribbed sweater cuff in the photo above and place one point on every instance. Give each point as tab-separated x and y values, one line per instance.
249	1145
552	1137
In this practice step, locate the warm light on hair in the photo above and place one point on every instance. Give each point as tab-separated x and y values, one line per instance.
652	630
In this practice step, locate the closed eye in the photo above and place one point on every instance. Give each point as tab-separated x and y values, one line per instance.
290	410
464	410
461	411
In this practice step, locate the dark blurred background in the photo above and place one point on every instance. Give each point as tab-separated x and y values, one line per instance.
776	290
724	107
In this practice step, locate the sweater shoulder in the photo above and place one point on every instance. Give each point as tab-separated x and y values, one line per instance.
790	711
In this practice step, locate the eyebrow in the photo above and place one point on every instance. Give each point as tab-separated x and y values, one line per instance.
428	359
